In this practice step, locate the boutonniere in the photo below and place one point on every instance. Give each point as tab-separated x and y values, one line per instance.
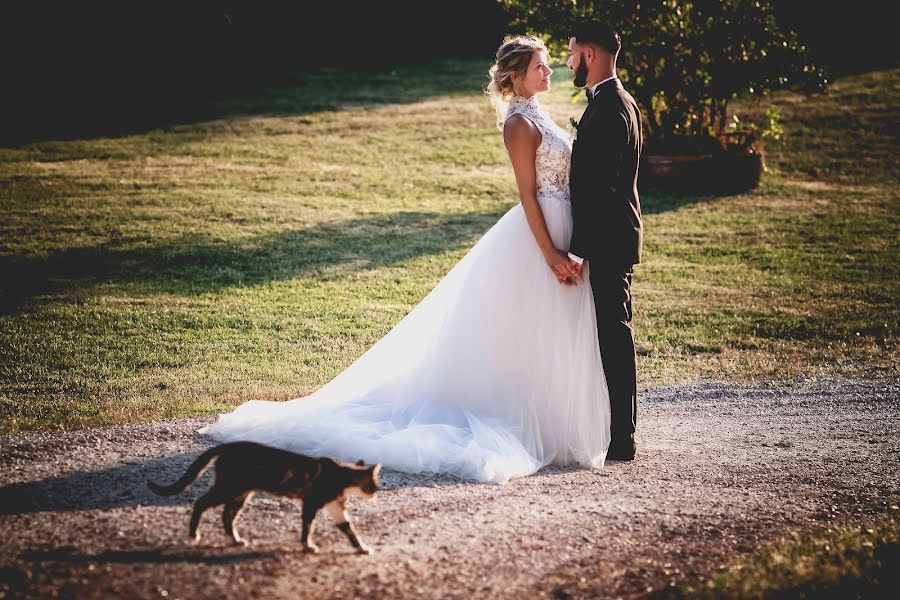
573	129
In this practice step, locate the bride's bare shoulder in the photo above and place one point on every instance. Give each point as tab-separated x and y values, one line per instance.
519	130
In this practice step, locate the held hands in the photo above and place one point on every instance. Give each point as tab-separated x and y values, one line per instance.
566	270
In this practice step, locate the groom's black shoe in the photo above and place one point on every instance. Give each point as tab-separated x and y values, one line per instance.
624	450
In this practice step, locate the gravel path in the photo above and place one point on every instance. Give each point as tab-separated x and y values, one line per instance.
721	468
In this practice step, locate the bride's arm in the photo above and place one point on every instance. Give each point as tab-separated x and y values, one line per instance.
522	139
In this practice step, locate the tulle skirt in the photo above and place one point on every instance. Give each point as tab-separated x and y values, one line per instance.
495	374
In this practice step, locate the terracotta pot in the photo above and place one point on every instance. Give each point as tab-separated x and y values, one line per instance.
739	171
662	167
722	172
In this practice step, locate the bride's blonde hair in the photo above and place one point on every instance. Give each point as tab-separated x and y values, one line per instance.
512	62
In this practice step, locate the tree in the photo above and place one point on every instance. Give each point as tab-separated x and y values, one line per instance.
684	60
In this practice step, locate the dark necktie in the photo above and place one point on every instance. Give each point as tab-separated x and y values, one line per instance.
587	92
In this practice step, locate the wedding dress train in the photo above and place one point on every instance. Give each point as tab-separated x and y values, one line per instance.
495	374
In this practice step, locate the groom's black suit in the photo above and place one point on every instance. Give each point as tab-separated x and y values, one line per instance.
607	232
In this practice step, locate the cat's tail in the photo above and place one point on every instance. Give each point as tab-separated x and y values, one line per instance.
194	471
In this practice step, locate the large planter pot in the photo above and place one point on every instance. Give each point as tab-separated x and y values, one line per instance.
738	171
676	171
706	170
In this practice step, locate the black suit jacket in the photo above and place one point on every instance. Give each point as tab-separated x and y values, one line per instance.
603	180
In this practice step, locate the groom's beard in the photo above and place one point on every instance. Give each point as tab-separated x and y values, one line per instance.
581	73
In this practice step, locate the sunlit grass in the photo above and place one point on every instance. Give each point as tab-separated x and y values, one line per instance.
182	271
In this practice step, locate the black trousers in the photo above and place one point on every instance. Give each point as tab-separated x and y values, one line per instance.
612	298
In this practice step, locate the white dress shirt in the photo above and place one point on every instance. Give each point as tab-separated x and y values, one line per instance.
599	83
594	87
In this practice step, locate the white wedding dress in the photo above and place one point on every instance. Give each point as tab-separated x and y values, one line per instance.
495	374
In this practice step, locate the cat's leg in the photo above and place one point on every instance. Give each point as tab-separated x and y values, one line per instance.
309	518
336	510
230	516
211	498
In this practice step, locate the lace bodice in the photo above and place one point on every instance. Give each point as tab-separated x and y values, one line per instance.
552	160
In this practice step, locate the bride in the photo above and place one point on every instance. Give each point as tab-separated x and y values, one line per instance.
497	372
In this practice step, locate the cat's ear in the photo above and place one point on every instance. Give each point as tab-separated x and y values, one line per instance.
376	469
360	463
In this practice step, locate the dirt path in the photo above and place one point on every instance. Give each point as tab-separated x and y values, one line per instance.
721	468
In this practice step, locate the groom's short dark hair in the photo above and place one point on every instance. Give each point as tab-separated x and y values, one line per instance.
595	32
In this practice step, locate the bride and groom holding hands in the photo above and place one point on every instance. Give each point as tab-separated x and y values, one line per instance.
523	354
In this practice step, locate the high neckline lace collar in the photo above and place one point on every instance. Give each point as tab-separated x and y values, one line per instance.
521	102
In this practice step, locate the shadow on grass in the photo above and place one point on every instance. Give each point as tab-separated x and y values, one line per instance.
655	200
199	264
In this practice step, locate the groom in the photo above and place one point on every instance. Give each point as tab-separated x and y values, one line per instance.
607	215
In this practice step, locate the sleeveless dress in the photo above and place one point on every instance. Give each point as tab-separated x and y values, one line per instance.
493	375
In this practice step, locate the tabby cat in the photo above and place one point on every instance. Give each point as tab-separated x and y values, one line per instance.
246	467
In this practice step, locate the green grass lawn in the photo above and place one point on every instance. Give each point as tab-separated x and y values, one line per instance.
256	252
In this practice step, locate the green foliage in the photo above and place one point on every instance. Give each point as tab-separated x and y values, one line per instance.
769	128
750	135
685	60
